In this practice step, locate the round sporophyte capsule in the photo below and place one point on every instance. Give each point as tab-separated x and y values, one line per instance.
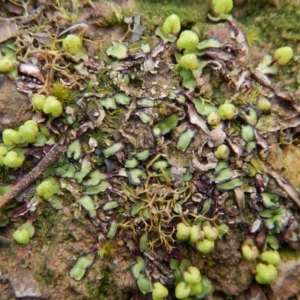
3	152
227	111
38	101
196	234
183	232
271	257
250	252
29	227
171	24
52	106
12	160
210	232
182	290
72	44
220	7
196	289
189	61
283	55
159	291
188	40
192	275
266	274
11	137
222	152
6	65
21	236
263	104
29	131
206	246
213	118
48	188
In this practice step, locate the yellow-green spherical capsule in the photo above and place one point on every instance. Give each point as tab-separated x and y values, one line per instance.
189	61
21	236
159	291
2	160
266	274
263	104
6	65
283	55
38	101
47	188
227	111
196	289
52	106
250	252
11	137
222	152
171	24
183	232
192	275
188	40
2	156
213	118
210	232
271	257
29	227
182	290
196	234
3	151
222	6
12	160
206	246
72	44
29	131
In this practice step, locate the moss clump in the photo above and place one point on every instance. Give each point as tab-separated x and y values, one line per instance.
105	287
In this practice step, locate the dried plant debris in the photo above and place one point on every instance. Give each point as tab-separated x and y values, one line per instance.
159	140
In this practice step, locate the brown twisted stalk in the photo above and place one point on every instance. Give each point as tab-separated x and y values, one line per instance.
33	175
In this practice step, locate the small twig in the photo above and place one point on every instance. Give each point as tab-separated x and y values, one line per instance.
73	27
33	175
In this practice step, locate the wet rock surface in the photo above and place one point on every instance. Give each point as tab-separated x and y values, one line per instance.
23	284
15	107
